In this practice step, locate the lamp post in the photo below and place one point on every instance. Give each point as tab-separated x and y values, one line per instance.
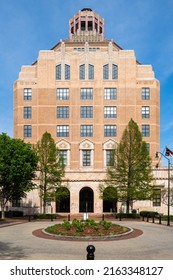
169	179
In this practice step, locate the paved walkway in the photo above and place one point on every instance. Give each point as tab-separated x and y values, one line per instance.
18	242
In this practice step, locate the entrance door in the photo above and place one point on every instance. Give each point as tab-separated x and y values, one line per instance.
63	201
110	200
86	200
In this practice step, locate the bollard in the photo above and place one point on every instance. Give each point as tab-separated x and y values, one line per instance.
68	217
90	252
153	218
29	218
51	213
160	219
103	217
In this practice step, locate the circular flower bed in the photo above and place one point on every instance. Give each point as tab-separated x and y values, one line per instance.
86	228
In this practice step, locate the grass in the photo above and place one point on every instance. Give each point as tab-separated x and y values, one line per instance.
86	228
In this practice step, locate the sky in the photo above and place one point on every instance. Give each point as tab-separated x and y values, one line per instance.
28	26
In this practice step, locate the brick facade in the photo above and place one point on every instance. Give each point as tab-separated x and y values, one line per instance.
84	91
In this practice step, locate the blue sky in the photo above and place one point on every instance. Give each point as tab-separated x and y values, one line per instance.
27	26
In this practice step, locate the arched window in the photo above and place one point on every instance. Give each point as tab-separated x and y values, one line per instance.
91	72
62	72
82	72
106	72
114	72
67	72
110	71
58	72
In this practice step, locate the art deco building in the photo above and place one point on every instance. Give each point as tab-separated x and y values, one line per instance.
84	91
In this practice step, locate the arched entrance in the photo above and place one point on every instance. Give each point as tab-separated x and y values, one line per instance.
86	200
63	200
110	200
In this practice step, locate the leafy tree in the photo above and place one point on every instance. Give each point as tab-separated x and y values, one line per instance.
50	167
18	162
131	171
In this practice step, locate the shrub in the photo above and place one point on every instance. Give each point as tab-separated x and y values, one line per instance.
45	216
128	215
67	225
105	224
90	223
13	213
78	225
149	214
165	218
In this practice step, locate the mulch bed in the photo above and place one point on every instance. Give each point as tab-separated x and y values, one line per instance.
135	233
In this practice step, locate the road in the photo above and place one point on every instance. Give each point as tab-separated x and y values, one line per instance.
18	243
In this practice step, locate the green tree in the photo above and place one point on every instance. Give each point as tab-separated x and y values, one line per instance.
18	162
131	170
50	167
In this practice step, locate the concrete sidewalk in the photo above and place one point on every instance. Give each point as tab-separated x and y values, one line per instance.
17	242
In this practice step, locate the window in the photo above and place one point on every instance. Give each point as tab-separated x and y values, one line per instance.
63	112
106	72
79	49
63	156
58	72
145	130
109	157
27	131
82	72
110	130
62	131
114	72
62	93
86	157
91	72
145	93
82	25
86	94
110	93
90	25
27	112
157	197
86	131
67	72
27	92
145	112
110	112
86	112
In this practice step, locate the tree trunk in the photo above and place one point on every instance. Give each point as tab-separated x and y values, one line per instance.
128	206
44	206
2	210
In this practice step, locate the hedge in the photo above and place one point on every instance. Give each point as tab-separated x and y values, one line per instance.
45	216
149	214
127	215
13	214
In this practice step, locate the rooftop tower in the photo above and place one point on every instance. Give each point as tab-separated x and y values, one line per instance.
86	25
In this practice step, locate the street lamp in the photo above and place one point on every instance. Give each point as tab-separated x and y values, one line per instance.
169	180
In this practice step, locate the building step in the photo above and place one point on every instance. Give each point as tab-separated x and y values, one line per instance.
81	216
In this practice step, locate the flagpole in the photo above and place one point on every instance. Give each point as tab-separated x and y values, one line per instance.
169	179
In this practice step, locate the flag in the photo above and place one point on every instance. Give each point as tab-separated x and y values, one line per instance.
168	152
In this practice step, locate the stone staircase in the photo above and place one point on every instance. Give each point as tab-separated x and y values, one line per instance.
91	216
